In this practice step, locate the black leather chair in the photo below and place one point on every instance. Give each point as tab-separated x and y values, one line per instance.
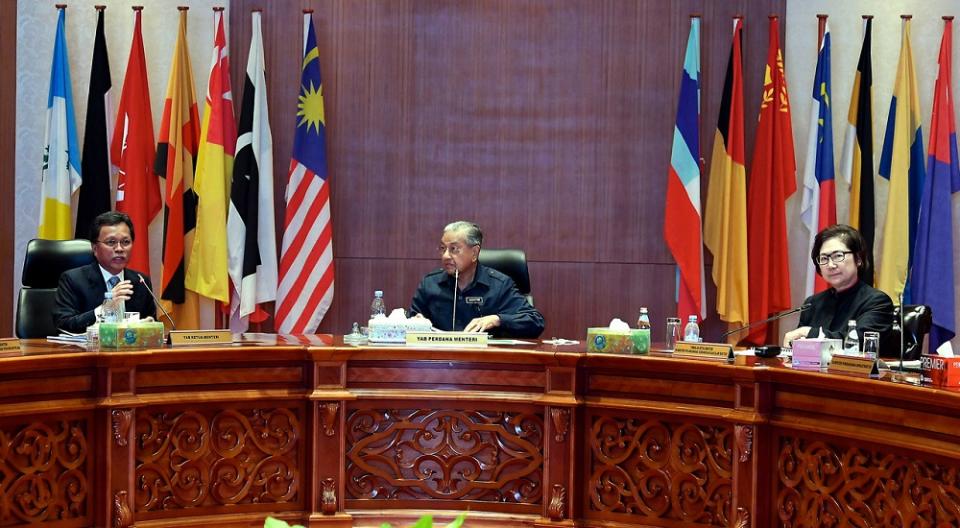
43	263
917	320
513	264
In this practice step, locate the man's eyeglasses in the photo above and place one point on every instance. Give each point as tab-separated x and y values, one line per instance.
836	257
112	244
453	250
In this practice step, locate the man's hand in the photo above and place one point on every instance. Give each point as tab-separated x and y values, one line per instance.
482	324
799	333
123	291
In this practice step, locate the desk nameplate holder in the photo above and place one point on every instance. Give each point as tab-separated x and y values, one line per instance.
686	349
447	339
9	344
853	365
200	337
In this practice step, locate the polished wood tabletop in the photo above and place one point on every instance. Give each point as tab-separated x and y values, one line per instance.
322	433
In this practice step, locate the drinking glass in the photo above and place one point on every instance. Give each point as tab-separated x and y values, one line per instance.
871	345
673	332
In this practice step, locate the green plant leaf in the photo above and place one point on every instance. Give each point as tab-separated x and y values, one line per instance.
386	525
275	523
424	522
456	523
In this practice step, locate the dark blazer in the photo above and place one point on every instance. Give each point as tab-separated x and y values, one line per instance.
81	290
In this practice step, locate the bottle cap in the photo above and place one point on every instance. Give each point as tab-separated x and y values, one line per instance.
378	293
692	319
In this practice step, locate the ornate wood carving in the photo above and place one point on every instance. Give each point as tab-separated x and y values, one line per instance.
557	508
663	470
43	472
561	422
828	484
479	455
328	417
743	518
122	516
188	458
328	497
744	435
121	420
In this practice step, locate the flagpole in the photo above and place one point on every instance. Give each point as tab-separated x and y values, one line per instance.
821	27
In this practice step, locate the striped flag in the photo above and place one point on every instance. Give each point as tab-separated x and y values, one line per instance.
901	164
207	266
60	174
818	206
306	256
132	148
177	149
933	276
856	160
95	192
772	180
251	230
725	219
681	223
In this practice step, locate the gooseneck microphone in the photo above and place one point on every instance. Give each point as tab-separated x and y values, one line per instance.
156	301
456	286
902	330
774	317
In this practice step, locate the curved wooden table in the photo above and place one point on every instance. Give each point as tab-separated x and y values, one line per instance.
331	435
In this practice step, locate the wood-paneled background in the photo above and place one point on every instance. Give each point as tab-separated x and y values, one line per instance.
548	122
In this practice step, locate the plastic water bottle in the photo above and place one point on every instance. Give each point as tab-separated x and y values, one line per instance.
377	308
691	332
851	341
641	340
121	307
109	309
643	323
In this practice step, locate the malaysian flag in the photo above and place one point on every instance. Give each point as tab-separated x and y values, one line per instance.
306	257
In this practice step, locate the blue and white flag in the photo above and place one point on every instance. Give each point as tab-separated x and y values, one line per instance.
60	176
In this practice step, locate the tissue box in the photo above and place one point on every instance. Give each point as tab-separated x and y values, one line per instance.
131	334
618	341
941	371
814	352
387	330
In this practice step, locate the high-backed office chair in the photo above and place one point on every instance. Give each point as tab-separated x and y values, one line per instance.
43	263
513	264
917	321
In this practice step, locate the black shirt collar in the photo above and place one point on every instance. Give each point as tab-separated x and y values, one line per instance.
849	292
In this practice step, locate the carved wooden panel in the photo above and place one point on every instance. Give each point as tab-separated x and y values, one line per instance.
188	458
660	470
44	472
823	483
480	455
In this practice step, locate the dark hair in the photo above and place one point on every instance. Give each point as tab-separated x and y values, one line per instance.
110	218
854	242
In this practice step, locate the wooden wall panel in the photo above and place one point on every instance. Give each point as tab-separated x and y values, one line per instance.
8	116
547	122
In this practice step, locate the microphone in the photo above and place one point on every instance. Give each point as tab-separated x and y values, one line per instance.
902	329
774	317
156	301
456	286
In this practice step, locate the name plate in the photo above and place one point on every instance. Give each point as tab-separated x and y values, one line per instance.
853	365
9	344
200	337
447	339
941	371
703	350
